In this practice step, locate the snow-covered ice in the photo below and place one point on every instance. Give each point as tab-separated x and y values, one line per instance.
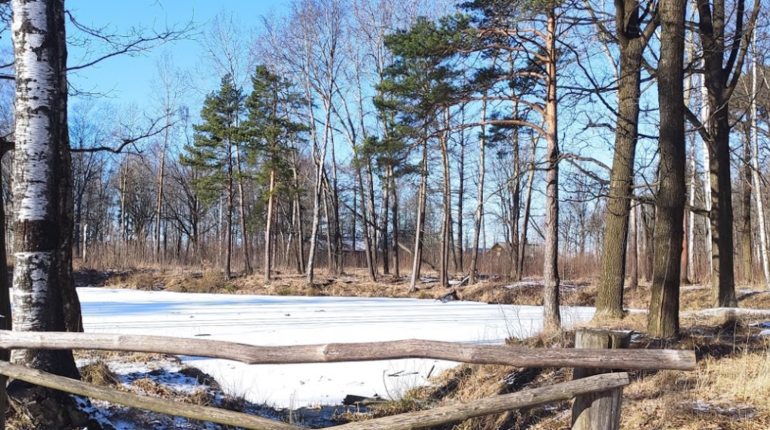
287	320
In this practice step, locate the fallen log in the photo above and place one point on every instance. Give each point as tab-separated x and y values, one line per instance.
638	359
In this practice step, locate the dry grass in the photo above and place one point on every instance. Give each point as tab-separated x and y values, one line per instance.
98	373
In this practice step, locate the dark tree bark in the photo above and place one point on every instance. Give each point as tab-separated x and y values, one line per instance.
5	297
664	306
609	301
746	233
720	78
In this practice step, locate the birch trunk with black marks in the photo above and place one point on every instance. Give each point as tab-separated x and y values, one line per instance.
43	195
663	318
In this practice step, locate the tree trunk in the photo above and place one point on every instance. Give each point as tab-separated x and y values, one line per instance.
42	279
443	275
479	198
609	301
525	220
386	190
633	255
663	318
707	183
5	298
746	233
755	171
459	245
242	212
394	217
370	265
161	171
228	233
551	315
269	227
691	217
417	257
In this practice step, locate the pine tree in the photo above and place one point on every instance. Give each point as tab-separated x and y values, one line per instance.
216	139
270	132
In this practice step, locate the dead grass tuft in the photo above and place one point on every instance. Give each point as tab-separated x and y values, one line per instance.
98	373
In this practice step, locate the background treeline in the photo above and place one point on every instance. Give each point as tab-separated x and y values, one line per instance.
395	135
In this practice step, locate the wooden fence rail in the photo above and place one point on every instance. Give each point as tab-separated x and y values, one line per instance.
638	359
459	411
443	415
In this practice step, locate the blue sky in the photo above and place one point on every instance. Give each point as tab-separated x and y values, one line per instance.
126	79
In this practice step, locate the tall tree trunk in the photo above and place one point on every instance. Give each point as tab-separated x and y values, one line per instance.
746	233
43	218
691	216
459	245
551	314
609	301
525	220
479	196
337	268
386	190
228	233
419	229
372	214
755	170
330	261
5	296
370	264
446	221
633	255
707	183
395	228
663	318
515	191
720	80
161	172
242	212
269	227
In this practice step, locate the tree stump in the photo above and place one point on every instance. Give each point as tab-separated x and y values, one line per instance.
598	411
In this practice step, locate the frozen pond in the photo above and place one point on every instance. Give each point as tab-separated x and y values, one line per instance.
288	320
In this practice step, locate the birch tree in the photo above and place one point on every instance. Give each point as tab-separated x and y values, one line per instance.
41	138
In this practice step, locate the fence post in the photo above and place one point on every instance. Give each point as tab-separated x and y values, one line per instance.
598	411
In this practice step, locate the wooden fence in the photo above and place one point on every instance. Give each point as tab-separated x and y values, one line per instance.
594	391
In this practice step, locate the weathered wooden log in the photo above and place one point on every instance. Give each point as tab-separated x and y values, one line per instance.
492	405
600	410
338	352
203	413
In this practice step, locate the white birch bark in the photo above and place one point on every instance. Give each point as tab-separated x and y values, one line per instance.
706	179
757	184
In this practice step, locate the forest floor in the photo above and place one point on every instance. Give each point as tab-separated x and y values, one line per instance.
730	389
